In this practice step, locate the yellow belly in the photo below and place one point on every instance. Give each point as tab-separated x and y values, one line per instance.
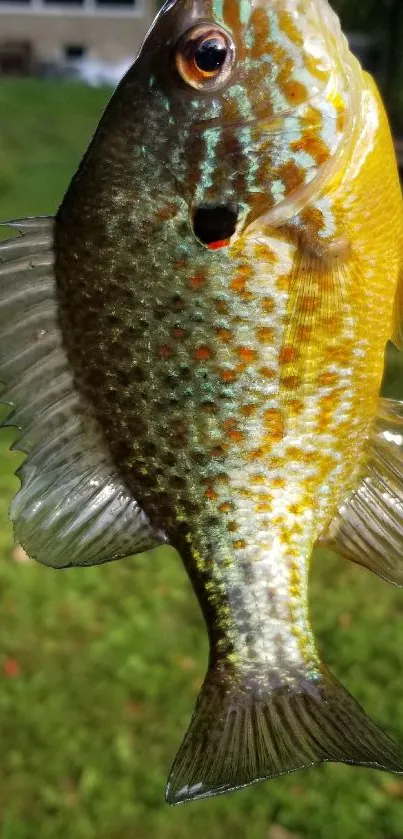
337	320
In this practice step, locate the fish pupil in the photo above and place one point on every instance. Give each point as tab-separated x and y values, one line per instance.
210	55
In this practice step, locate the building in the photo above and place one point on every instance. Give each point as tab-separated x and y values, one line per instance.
50	32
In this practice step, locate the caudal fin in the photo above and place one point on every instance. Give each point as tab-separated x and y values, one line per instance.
239	736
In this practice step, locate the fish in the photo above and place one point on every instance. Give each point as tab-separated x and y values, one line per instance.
193	350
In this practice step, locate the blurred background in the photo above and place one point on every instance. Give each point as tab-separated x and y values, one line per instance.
99	668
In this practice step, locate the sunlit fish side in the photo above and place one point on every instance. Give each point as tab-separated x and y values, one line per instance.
194	346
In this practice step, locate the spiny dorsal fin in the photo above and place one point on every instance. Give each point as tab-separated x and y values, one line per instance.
368	528
72	508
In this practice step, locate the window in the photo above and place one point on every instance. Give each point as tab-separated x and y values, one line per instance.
16	58
64	2
74	51
116	4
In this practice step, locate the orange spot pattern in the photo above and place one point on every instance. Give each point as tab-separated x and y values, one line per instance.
228	375
265	334
225	335
267	304
288	354
203	353
247	354
197	281
165	352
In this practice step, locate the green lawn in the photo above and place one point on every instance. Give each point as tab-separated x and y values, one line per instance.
99	668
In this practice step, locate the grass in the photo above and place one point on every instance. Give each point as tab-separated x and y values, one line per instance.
99	668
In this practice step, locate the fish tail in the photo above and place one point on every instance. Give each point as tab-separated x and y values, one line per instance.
242	734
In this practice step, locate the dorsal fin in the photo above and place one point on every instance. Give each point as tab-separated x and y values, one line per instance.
368	528
72	508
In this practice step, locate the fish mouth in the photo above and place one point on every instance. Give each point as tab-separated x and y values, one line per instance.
215	224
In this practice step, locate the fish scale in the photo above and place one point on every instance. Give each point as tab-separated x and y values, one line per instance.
199	359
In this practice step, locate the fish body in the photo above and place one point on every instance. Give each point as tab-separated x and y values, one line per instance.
219	285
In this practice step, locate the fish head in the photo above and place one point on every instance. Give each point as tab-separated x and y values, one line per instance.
258	99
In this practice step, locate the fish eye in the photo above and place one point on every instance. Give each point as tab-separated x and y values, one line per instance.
204	57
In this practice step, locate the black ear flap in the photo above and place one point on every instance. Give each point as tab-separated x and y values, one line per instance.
216	223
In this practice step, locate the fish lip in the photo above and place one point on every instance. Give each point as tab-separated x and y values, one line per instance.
214	224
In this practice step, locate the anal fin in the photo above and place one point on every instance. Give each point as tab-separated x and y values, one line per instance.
368	528
72	508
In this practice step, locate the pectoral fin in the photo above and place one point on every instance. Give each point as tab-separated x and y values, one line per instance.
72	508
368	528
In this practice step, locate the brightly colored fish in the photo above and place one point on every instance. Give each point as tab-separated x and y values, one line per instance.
194	348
